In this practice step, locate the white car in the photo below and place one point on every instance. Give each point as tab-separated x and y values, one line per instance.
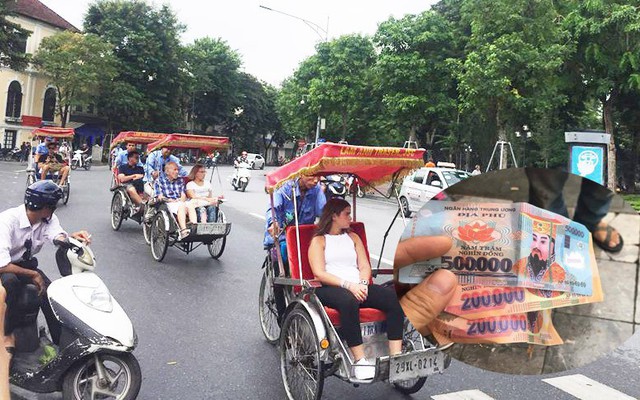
426	182
256	161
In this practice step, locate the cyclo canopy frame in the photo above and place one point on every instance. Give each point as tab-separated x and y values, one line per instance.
372	165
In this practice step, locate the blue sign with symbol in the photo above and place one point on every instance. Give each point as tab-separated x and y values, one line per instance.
588	162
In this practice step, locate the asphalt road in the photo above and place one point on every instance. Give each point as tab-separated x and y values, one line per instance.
197	319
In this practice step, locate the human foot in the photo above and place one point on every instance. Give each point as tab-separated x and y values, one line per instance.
607	237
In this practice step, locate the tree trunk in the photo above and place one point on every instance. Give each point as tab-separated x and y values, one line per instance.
607	115
503	154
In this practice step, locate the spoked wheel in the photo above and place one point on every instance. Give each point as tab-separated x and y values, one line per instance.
405	207
66	190
267	307
74	165
159	238
146	231
300	362
87	165
411	341
216	248
121	378
244	186
117	210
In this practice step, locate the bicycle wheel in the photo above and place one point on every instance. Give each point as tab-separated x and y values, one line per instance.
267	308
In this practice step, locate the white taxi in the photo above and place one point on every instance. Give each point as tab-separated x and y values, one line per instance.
426	182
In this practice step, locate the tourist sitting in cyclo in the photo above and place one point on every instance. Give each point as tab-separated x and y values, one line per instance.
201	201
339	261
155	166
169	187
130	175
53	162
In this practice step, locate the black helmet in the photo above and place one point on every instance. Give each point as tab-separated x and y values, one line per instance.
42	194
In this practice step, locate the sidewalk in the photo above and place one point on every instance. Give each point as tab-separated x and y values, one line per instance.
589	331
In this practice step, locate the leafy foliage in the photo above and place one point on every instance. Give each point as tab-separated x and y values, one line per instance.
78	66
13	40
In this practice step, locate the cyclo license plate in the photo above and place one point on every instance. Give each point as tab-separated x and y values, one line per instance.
211	229
415	365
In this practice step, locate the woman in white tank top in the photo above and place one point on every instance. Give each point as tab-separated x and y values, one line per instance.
339	260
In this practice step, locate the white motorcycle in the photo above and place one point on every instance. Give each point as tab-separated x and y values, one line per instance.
79	160
93	358
242	176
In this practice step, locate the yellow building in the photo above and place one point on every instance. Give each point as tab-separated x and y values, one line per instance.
27	97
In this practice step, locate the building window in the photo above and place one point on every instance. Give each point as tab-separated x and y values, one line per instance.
14	100
10	139
49	107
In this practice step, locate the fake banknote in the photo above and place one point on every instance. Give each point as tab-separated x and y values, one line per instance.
506	245
533	328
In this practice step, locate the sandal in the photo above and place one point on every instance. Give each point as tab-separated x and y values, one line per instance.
184	233
604	245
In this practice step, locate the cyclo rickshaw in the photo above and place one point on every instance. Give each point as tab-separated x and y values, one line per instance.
160	226
33	171
309	343
121	203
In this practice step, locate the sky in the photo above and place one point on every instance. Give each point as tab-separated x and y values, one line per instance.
270	44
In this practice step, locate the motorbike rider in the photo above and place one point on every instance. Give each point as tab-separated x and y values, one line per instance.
242	158
85	153
310	201
23	232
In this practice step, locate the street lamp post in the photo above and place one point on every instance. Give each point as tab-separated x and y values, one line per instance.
525	134
320	31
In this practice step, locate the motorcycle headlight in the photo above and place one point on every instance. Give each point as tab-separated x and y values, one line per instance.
97	298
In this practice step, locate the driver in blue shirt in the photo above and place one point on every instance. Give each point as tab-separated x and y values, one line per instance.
310	201
154	167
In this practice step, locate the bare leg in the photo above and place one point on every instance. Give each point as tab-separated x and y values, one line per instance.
64	172
182	216
137	200
191	209
45	170
395	347
358	352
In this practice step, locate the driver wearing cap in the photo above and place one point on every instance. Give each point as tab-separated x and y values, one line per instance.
23	232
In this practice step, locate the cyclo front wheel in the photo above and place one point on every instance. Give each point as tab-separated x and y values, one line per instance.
159	237
117	210
216	248
300	363
66	190
267	307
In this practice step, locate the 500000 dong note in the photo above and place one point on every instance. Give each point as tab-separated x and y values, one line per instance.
533	328
475	301
502	244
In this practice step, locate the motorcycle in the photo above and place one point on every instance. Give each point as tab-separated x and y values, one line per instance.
13	155
80	160
242	176
334	186
94	354
352	184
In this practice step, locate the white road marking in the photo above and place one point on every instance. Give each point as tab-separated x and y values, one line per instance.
384	260
463	395
262	217
585	388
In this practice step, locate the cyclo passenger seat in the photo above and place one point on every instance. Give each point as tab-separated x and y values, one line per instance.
306	234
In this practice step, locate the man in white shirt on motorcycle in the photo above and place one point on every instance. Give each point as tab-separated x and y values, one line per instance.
23	232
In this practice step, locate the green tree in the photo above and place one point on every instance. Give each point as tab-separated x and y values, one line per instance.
512	62
150	89
215	84
607	35
78	65
13	39
414	76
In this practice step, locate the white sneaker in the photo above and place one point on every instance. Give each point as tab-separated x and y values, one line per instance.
364	370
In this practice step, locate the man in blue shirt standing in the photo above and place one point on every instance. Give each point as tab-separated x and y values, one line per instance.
310	201
156	161
122	156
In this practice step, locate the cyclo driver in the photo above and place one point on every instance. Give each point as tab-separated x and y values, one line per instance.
310	201
23	231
